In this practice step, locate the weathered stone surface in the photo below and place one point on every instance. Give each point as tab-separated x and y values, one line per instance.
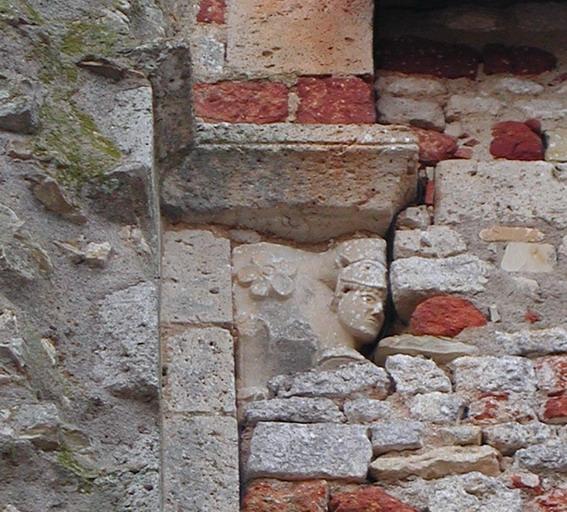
555	410
416	279
241	102
556	145
499	192
293	410
441	350
532	342
366	410
366	499
196	282
38	423
97	255
555	501
551	373
200	463
505	373
461	107
550	456
410	86
298	452
19	114
396	436
500	233
200	371
461	435
335	101
414	375
490	408
292	306
266	180
433	242
415	55
445	315
510	437
516	141
517	60
414	217
438	463
524	257
437	407
211	11
280	38
348	381
276	496
50	193
422	113
434	146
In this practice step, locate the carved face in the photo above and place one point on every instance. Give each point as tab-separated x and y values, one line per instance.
362	313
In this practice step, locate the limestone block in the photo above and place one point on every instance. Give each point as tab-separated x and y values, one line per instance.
525	257
490	373
476	194
307	183
293	410
409	86
270	38
422	113
498	233
396	436
200	371
462	107
461	435
437	407
433	242
556	145
416	279
438	463
513	85
551	456
292	306
196	281
510	437
414	217
367	410
200	463
414	375
533	342
298	452
349	381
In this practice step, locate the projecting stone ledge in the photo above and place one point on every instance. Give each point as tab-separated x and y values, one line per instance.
307	183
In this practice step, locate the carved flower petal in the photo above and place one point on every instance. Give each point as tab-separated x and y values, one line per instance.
282	285
248	274
260	288
288	268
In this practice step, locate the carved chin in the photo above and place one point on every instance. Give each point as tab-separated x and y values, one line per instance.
366	333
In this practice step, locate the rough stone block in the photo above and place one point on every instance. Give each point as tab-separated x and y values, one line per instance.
488	374
441	350
414	217
551	373
366	410
489	408
434	146
500	233
474	193
461	435
550	456
276	496
416	279
200	371
200	463
414	375
299	452
437	407
408	86
270	38
524	257
556	145
438	463
555	410
396	436
308	183
333	100
423	113
463	107
196	282
294	410
532	342
348	381
433	242
510	437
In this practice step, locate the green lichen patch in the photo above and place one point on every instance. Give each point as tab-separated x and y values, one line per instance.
82	37
85	476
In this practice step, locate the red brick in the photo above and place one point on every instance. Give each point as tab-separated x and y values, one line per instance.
335	101
435	146
551	372
445	315
429	198
366	499
464	153
211	11
424	56
276	496
556	501
513	140
555	410
241	102
527	482
517	60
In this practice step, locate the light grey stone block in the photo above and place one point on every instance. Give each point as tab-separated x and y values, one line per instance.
461	435
300	452
437	407
510	437
200	463
532	342
550	456
396	436
506	373
423	113
414	375
294	410
366	410
529	257
349	381
433	242
196	282
200	371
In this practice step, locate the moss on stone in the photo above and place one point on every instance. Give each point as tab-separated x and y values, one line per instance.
83	37
86	477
